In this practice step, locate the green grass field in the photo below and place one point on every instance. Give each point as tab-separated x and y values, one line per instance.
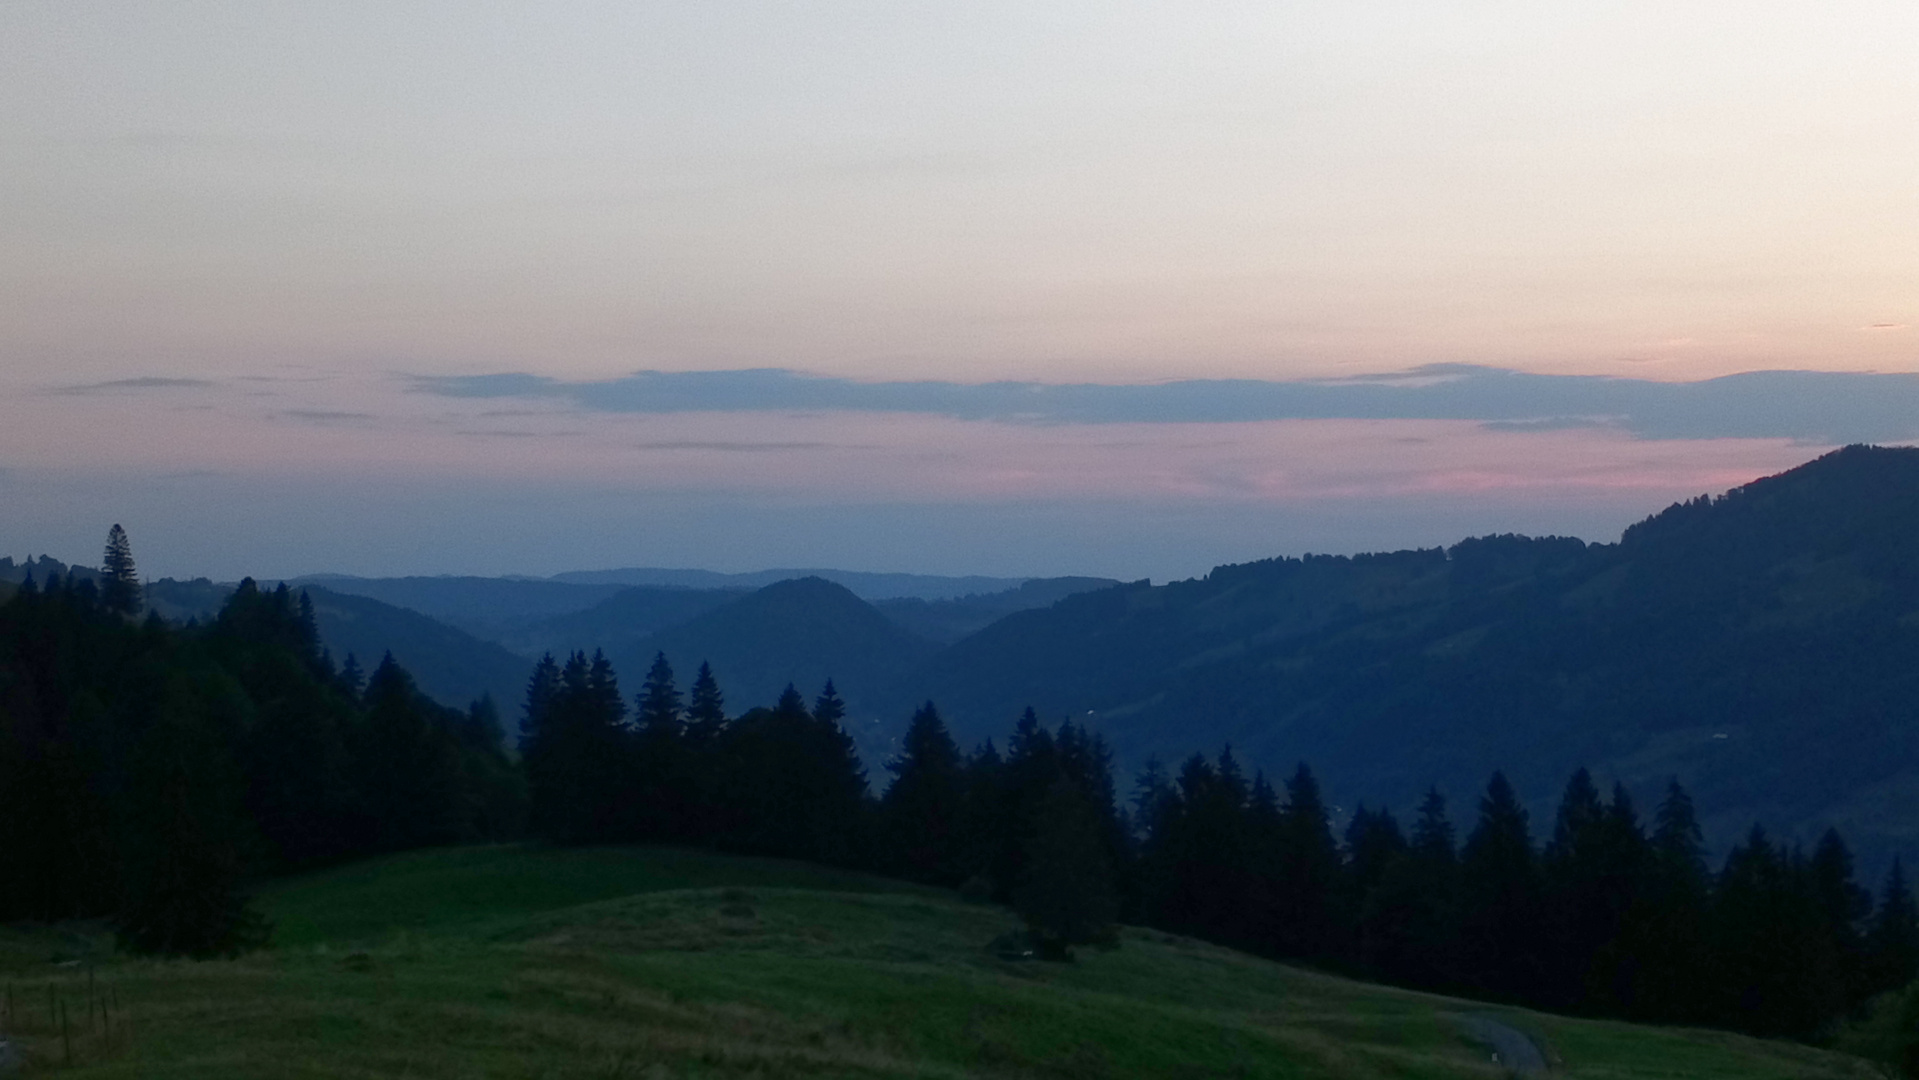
521	962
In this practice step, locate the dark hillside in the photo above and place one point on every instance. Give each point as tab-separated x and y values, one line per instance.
490	608
620	622
865	584
947	621
803	632
1763	647
450	665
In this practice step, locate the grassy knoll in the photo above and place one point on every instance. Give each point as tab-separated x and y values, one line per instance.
508	962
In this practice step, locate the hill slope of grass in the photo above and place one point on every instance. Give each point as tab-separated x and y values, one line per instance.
514	962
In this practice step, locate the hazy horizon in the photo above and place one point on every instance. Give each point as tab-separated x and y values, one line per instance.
1129	290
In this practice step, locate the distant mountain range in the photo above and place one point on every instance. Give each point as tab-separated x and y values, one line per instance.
446	662
466	637
866	585
1762	647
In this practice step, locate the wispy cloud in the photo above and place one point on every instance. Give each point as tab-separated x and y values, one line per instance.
1550	423
327	416
1830	407
741	447
125	385
507	433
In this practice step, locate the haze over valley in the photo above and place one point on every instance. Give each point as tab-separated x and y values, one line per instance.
1107	540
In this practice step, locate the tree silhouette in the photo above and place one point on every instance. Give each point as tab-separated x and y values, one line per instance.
705	708
924	807
1499	877
1067	896
1894	935
120	582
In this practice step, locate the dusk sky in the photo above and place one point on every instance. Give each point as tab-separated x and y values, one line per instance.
1109	288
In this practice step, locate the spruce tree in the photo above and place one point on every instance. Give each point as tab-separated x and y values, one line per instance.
705	708
1572	871
843	826
576	751
541	691
1755	939
182	880
120	591
1623	860
353	680
1030	767
1667	933
1500	897
1373	843
1843	909
828	708
986	820
1409	921
407	762
658	706
924	807
1313	899
1894	935
664	802
1067	896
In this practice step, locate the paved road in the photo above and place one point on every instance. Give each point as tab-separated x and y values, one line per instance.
1510	1047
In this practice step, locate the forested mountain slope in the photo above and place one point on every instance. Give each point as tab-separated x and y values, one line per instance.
451	666
947	621
488	607
619	623
1762	646
803	632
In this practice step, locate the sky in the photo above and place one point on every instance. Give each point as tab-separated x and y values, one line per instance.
1115	288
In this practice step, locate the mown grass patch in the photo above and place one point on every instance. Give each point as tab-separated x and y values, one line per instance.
457	889
512	962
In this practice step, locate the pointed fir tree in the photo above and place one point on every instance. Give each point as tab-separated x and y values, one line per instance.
1407	922
1767	928
1067	896
542	688
1373	843
1030	767
1572	903
828	708
577	752
309	625
664	801
986	821
658	706
1500	898
923	808
705	708
1312	900
1894	935
183	878
120	592
353	680
1843	908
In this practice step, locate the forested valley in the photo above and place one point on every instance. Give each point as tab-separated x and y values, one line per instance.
150	772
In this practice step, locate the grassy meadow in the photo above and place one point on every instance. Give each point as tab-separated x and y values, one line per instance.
641	962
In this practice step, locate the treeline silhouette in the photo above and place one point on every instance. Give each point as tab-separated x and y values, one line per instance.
1610	915
148	772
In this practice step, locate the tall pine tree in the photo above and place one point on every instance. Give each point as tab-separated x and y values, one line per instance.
119	581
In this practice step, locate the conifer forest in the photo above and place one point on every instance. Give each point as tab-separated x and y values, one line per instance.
150	773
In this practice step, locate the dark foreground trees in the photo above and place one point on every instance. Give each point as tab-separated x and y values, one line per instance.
148	773
1067	897
1605	914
